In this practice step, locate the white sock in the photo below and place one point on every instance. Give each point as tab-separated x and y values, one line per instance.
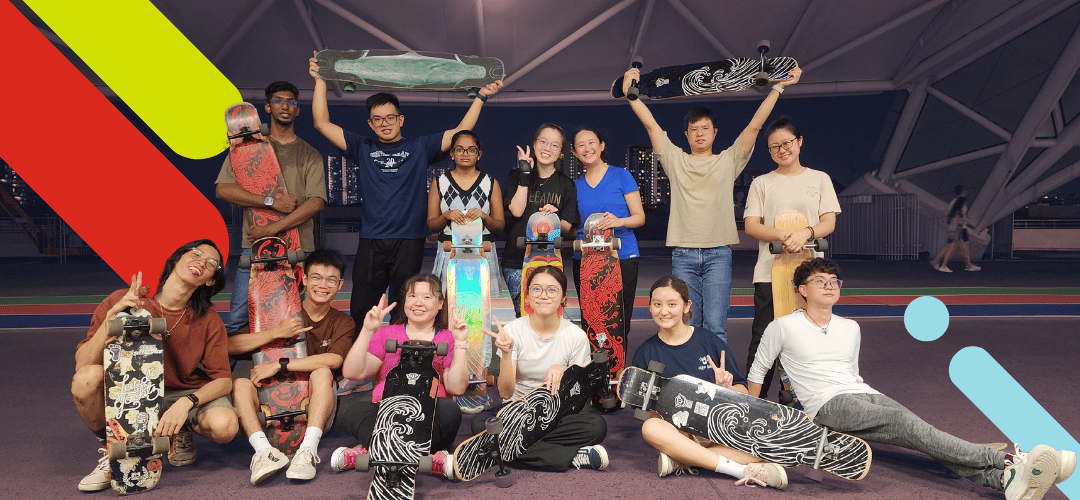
730	467
258	441
311	438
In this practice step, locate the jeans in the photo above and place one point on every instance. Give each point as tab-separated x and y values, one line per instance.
513	285
707	273
238	304
879	419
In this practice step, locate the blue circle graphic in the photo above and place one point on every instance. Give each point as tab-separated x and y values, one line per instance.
926	318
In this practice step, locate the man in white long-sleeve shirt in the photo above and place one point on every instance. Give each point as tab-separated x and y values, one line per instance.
820	352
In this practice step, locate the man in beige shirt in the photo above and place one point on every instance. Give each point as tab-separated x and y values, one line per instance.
701	227
305	188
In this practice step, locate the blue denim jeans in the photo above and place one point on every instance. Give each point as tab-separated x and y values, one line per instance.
707	273
513	285
238	305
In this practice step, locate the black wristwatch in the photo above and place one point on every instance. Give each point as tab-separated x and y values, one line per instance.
194	400
284	364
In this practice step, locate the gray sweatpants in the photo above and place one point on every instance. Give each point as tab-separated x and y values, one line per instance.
877	418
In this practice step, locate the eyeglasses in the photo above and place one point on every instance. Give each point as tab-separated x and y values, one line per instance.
703	129
211	263
822	282
329	280
379	120
537	291
545	144
472	150
279	101
786	145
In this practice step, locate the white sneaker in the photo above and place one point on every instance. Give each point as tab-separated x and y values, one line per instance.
345	458
98	479
1066	458
944	269
303	464
1032	474
665	465
265	463
764	474
973	267
593	457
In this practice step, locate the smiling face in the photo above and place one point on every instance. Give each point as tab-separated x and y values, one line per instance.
282	113
668	308
196	266
322	283
422	304
700	135
784	147
546	294
386	121
587	148
548	146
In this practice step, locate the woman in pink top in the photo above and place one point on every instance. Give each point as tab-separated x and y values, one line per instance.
425	318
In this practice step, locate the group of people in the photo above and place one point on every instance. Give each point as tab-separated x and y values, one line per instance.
689	308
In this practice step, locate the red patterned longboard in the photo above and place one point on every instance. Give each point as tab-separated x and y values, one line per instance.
600	296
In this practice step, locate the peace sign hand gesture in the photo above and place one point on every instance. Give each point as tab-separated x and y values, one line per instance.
723	377
503	340
373	319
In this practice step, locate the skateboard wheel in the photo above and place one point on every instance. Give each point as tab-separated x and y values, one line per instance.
521	242
487	246
504	481
494	426
559	242
157	326
641	415
775	247
348	87
245	262
442	349
822	244
363	462
262	419
296	256
616	243
425	464
161	444
446	246
391	345
116	327
577	245
656	366
600	356
264	129
117	450
608	402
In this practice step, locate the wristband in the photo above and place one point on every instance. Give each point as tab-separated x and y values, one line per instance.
811	228
194	400
482	97
284	364
778	89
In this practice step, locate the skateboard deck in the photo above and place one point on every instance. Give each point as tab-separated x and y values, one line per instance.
468	287
255	165
728	75
527	419
770	431
402	437
273	296
407	70
542	241
134	400
601	296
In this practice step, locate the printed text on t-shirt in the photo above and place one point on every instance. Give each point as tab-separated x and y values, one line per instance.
388	162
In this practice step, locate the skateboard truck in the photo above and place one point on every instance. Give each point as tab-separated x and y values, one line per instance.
491	449
633	93
651	389
761	80
598	242
819	244
824	448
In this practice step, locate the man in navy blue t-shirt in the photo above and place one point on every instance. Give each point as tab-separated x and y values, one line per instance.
392	175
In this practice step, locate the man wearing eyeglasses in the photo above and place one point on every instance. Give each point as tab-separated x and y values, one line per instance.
701	227
329	333
305	191
392	176
820	352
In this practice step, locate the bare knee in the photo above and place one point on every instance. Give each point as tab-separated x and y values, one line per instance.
219	424
88	384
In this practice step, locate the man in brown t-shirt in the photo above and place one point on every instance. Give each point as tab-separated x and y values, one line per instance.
305	191
330	333
196	397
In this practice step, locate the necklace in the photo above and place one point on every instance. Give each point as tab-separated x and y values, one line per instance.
168	331
824	329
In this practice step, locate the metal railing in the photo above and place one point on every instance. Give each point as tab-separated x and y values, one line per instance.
877	226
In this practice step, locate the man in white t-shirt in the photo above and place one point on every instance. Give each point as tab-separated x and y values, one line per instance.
820	352
701	227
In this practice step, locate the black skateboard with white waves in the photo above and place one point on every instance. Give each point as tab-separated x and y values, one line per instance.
395	440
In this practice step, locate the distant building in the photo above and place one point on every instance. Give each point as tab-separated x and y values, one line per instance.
341	182
653	183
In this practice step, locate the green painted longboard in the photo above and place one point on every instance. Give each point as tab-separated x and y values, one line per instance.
407	70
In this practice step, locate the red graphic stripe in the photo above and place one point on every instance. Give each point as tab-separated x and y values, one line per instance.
91	165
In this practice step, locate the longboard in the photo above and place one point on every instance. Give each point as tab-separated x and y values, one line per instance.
727	75
134	399
542	243
767	430
407	70
600	296
468	288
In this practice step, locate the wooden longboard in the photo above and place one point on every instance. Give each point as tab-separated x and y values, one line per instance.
468	288
785	297
600	296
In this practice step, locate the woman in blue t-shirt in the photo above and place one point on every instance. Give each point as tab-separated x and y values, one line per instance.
684	349
612	191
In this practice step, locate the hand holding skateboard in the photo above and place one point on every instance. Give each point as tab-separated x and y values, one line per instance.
793	78
553	379
313	66
289	328
491	88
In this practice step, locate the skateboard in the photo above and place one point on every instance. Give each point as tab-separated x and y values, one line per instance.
526	420
255	164
541	242
468	287
407	70
402	437
273	296
728	75
785	297
770	431
134	400
601	296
